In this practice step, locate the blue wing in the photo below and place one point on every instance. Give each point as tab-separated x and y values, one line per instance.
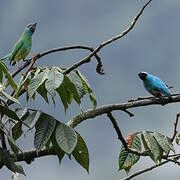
158	85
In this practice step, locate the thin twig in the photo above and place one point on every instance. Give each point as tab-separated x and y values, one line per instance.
87	59
175	126
117	129
50	51
121	138
144	170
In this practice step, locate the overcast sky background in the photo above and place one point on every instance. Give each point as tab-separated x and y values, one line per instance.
152	46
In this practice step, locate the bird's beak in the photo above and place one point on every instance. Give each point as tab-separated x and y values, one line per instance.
33	27
142	76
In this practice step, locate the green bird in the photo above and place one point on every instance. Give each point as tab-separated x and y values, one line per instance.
23	46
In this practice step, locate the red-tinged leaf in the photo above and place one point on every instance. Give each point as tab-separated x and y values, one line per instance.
126	159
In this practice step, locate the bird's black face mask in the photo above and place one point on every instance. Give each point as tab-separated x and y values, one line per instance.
142	76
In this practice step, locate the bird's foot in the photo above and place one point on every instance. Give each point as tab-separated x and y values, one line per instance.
26	60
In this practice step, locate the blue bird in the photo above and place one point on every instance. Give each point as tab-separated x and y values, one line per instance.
154	85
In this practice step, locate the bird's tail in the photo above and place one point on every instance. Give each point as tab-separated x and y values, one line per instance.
5	57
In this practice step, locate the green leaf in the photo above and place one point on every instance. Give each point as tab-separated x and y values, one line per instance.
1	75
151	144
17	130
162	141
11	114
178	138
44	129
20	169
43	92
11	140
126	159
60	153
67	92
71	87
8	161
32	118
23	82
87	89
36	82
66	138
11	98
171	146
81	154
76	80
54	80
8	76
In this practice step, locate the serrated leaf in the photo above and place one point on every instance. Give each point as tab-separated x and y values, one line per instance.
8	76
161	139
60	153
54	80
151	144
37	81
126	159
44	129
81	153
66	138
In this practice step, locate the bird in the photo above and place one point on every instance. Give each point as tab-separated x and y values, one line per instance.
23	46
154	85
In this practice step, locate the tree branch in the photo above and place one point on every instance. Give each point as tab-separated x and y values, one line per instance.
58	49
29	155
92	113
145	170
87	59
175	126
121	138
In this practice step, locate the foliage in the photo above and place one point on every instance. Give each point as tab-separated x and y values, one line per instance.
154	143
49	132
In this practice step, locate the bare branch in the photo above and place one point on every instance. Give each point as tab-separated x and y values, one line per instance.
29	156
92	113
87	59
144	170
175	126
58	49
118	131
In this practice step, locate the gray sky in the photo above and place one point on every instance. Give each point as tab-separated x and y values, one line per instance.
152	46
